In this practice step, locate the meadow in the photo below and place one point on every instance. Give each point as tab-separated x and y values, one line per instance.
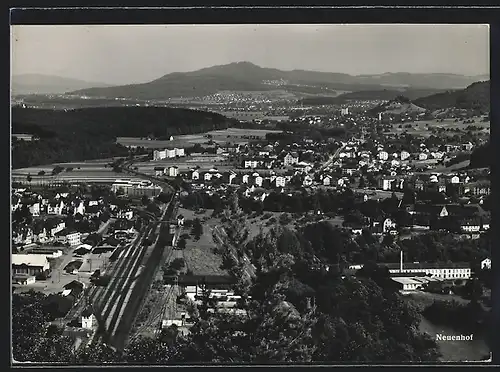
423	128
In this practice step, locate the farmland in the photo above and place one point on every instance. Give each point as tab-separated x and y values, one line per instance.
231	135
423	128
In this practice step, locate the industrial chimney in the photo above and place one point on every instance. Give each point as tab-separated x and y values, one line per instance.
401	262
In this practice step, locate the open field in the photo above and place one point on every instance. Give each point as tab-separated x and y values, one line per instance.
451	168
198	255
265	222
419	128
97	170
231	135
452	351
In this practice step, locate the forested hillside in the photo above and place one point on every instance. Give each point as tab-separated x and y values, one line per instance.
475	97
90	133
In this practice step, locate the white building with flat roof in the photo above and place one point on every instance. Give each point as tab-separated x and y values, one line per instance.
159	154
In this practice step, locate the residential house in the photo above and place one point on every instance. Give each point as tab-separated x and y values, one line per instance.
35	209
89	321
245	178
207	176
470	225
258	181
231	177
450	148
159	171
386	183
55	207
486	264
419	185
404	155
250	163
173	171
40	234
307	181
69	237
467	146
480	188
195	175
280	181
291	158
305	167
327	180
80	208
349	171
383	155
422	156
61	225
24	236
126	214
388	225
16	202
394	163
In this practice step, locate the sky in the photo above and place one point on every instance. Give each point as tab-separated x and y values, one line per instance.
126	54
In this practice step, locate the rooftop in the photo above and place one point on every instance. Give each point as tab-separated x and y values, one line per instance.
425	265
29	259
406	280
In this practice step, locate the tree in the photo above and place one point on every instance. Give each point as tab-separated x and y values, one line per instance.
28	178
197	229
57	169
31	340
181	244
98	353
146	350
145	200
177	263
41	173
362	182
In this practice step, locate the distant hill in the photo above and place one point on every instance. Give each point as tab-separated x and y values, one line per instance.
475	96
246	76
369	95
399	105
48	84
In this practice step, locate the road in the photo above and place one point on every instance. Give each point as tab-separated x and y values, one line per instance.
59	277
381	194
332	158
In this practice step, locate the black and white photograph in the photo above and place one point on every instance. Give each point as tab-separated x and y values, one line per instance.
250	194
